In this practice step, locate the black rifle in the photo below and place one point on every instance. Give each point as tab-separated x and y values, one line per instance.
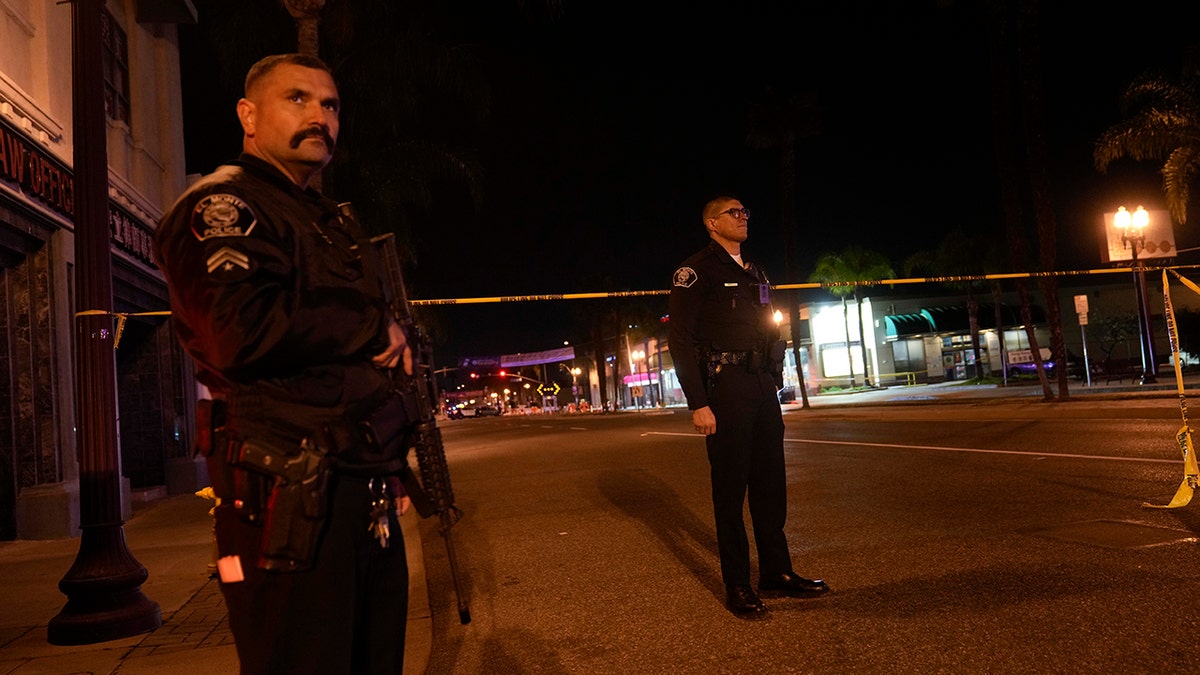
426	437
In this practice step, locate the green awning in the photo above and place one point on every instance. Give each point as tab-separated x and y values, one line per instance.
905	325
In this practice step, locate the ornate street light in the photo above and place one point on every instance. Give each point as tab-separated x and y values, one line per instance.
575	373
1132	227
638	357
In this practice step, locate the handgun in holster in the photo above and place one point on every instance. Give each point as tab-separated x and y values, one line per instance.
297	508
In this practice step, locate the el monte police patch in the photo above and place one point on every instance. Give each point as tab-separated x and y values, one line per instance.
685	277
222	215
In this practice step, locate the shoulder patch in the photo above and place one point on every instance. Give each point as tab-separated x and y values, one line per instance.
222	215
685	277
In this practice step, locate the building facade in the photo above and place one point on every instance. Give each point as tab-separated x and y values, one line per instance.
927	338
143	109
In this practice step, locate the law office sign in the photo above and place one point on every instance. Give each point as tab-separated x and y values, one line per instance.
35	172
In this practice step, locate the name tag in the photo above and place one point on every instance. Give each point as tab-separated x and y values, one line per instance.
729	285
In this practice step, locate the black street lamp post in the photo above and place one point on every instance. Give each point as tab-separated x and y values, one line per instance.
103	587
1136	223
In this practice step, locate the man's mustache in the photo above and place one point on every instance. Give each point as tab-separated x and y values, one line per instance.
313	132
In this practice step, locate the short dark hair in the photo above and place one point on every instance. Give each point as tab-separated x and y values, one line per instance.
266	64
712	207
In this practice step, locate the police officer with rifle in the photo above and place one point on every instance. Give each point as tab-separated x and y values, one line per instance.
278	297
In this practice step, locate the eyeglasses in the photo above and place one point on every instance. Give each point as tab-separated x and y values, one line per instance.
740	214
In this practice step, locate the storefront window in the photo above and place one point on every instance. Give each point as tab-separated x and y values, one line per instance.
835	360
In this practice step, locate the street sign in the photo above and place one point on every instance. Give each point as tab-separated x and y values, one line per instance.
1081	306
636	391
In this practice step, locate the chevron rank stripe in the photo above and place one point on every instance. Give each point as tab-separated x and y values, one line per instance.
226	259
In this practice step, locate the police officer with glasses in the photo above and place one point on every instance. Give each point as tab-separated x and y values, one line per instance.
729	360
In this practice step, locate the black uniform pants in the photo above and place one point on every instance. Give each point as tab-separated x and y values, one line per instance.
347	614
746	457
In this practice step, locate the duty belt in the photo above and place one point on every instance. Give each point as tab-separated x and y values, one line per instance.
731	358
753	360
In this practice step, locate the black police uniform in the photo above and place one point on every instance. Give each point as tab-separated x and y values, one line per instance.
278	300
722	334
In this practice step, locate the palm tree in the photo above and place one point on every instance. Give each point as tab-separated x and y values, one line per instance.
854	264
1037	164
1161	122
777	124
1004	139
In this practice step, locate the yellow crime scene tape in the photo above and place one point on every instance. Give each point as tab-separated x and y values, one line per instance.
122	317
789	287
1191	475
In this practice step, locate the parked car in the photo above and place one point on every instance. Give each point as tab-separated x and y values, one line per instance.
454	413
487	411
1074	367
1029	369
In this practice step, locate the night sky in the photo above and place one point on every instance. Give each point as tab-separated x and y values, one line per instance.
611	124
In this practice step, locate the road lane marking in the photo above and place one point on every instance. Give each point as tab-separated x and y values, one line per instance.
1062	455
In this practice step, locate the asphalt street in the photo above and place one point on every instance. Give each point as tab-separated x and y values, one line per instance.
991	536
962	528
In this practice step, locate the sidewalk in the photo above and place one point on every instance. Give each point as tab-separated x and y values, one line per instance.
1026	389
172	538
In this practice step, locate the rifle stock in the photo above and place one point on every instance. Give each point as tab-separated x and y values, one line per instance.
438	495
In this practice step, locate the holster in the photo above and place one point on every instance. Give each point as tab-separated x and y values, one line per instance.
212	443
776	355
297	507
296	510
